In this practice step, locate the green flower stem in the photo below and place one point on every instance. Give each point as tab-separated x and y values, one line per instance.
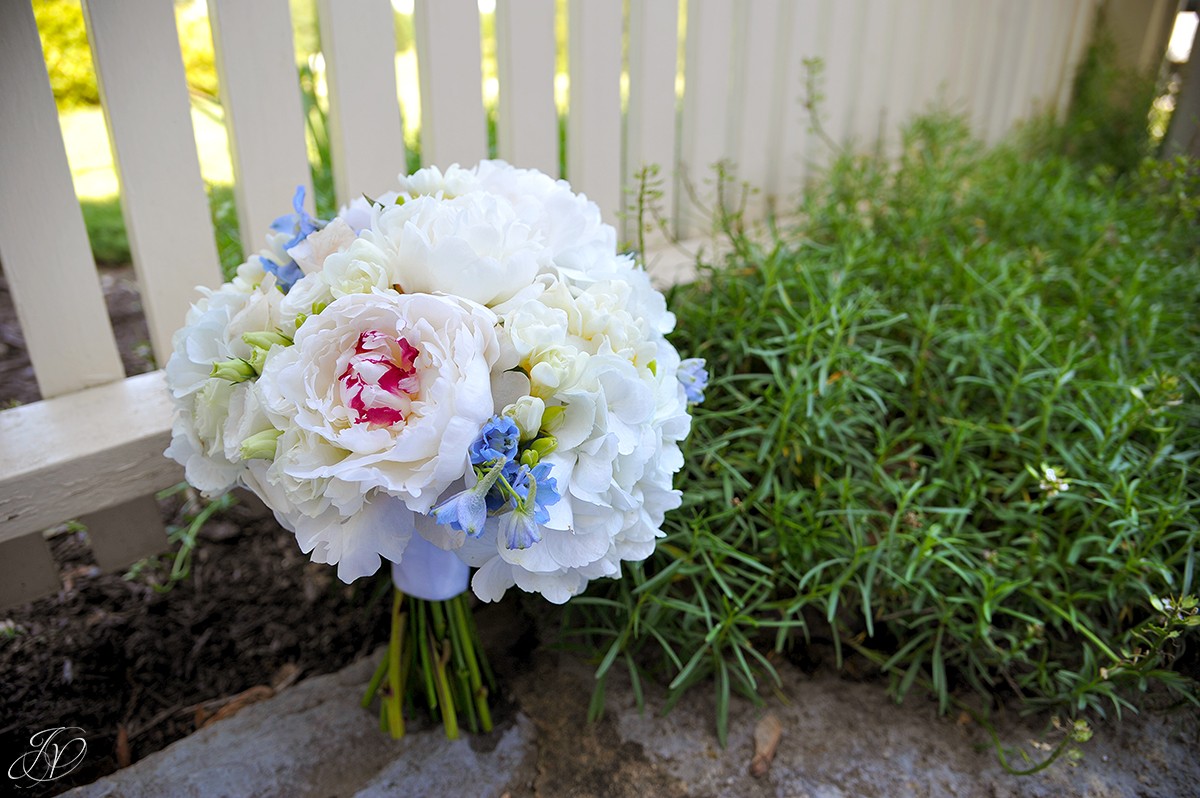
373	685
396	694
449	716
426	661
434	657
467	634
459	648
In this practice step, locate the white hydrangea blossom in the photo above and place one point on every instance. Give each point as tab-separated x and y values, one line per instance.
214	415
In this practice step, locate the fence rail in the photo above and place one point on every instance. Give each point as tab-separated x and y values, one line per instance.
92	448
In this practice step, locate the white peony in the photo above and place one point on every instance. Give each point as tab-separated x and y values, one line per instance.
472	246
379	393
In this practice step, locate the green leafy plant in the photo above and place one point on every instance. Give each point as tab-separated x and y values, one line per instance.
951	432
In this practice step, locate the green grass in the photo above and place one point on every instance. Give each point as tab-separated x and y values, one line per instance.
106	230
889	377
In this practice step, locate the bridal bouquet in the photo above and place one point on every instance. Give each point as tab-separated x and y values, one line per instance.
462	373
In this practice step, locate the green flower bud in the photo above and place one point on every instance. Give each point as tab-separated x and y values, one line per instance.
258	359
235	370
543	446
261	445
265	340
552	418
529	458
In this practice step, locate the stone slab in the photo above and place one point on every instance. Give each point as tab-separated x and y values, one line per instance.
314	740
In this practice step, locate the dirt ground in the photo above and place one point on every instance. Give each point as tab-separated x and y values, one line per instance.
137	669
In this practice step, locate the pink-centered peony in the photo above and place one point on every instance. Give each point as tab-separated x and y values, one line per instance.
381	378
380	396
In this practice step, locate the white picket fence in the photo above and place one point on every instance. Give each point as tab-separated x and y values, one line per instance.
93	448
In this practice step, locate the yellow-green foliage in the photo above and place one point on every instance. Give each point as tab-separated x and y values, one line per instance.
69	58
195	43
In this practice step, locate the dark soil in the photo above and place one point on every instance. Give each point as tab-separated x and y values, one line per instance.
136	669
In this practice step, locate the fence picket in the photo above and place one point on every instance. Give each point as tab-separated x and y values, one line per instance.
1008	63
650	124
1054	65
141	79
843	65
1044	33
867	122
594	121
757	131
968	28
801	30
126	533
1020	93
939	54
453	126
526	120
43	242
27	570
988	65
260	91
906	93
705	125
365	134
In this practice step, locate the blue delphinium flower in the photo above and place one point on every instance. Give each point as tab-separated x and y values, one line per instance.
694	378
467	510
535	490
519	528
515	492
543	486
497	441
300	225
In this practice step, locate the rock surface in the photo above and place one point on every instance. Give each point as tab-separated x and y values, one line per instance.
314	739
840	739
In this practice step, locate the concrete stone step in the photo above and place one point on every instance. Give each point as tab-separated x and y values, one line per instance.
839	739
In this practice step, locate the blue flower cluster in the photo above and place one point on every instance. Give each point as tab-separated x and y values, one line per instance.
300	225
515	492
694	378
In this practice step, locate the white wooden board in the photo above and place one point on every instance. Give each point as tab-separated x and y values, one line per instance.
453	125
594	120
755	139
365	133
43	242
802	28
706	122
650	122
83	452
526	119
260	90
140	73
